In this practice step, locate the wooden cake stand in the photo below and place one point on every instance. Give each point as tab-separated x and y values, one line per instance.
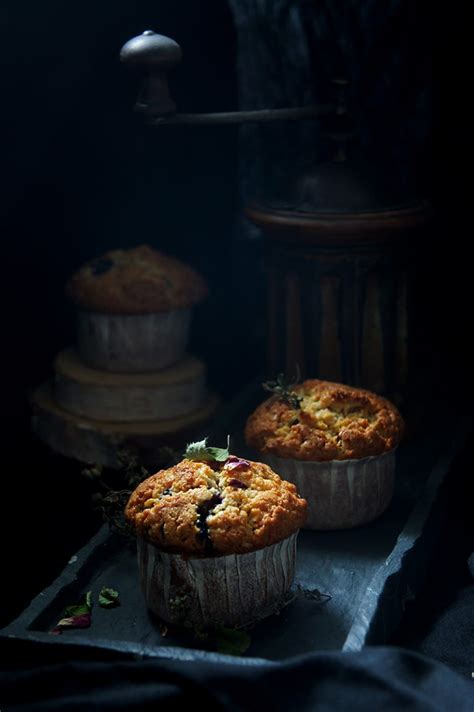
91	415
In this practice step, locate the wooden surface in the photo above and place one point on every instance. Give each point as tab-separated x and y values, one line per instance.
98	441
118	397
337	229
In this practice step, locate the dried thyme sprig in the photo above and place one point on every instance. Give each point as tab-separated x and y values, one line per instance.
112	506
131	468
283	389
312	594
111	500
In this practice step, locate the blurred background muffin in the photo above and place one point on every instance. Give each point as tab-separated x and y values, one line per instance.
127	382
134	309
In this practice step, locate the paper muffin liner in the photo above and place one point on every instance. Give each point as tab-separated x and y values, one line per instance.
340	493
128	343
231	590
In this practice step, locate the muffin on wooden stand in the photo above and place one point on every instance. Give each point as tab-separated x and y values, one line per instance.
216	539
336	443
134	309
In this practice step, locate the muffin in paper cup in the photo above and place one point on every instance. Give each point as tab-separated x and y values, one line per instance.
340	493
232	590
336	443
216	539
134	309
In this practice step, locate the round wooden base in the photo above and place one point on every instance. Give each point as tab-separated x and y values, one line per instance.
93	441
128	397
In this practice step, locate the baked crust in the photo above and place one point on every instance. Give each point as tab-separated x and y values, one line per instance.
333	422
140	280
202	508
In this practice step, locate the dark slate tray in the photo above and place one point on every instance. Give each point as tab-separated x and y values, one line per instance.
369	572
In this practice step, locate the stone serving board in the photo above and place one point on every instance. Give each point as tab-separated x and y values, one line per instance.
370	572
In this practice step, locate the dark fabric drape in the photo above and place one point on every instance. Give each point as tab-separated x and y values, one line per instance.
375	679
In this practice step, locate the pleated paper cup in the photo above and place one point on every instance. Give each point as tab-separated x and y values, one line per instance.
129	343
233	590
341	494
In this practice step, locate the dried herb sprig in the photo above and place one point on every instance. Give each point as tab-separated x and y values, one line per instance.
312	594
110	499
131	468
283	389
112	506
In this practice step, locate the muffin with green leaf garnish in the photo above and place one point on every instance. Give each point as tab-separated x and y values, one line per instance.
216	538
335	442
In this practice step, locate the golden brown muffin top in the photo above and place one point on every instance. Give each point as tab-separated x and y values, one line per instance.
215	508
332	422
140	280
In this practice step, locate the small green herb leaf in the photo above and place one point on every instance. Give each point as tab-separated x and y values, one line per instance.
230	641
108	597
76	616
201	452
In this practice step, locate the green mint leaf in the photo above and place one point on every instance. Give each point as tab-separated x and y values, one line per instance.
78	609
201	452
219	454
194	450
77	615
231	642
108	597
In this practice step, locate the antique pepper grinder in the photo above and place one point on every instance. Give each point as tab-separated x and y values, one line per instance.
340	243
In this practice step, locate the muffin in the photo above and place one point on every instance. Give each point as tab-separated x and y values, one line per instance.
134	309
336	443
216	539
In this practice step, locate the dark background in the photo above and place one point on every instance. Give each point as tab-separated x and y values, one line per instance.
81	174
